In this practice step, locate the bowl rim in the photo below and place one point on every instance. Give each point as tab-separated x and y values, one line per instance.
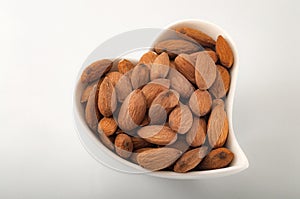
244	164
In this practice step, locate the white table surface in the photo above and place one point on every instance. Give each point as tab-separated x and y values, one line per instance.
42	46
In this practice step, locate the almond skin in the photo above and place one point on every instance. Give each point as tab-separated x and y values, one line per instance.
108	126
124	66
152	89
180	144
224	52
181	119
162	105
158	158
136	152
217	127
190	160
222	83
196	135
205	71
121	83
175	47
186	66
132	111
95	70
139	143
157	134
160	66
140	76
180	84
148	58
107	100
200	102
86	93
92	114
123	145
106	140
216	159
199	36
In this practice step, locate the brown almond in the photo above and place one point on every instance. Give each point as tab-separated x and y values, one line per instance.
108	126
190	160
180	84
152	89
158	158
123	145
199	36
196	135
186	67
92	115
148	57
157	134
180	144
205	71
175	47
140	76
86	93
124	66
139	143
172	65
107	100
210	53
121	83
216	159
136	152
222	83
95	70
162	105
200	102
181	119
160	66
132	111
217	127
146	121
218	102
224	52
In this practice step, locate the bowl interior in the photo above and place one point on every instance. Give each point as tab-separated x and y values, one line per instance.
110	159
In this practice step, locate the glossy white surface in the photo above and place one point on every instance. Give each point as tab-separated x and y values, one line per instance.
108	158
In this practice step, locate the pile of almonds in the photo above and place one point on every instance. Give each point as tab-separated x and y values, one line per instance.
166	111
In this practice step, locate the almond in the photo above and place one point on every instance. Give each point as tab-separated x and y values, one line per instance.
157	158
175	47
224	52
216	159
135	153
160	66
200	102
140	76
92	115
180	84
95	70
107	141
181	119
107	100
148	58
124	66
123	145
218	102
196	135
108	126
86	93
186	67
121	83
205	72
152	89
212	55
199	36
162	105
139	143
190	159
222	83
217	127
157	134
132	111
146	121
180	144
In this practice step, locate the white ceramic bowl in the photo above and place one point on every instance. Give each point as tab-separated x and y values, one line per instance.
110	159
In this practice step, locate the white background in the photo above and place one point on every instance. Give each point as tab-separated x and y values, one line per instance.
44	43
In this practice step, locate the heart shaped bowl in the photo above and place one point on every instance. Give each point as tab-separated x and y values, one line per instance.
102	154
